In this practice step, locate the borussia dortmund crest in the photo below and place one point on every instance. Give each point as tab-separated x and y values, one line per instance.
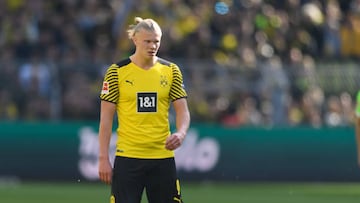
163	81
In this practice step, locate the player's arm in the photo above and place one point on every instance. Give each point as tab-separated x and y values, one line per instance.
182	124
357	134
107	113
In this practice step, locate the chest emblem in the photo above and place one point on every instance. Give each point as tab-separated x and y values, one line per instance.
163	81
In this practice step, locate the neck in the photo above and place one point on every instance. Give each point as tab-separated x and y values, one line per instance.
143	63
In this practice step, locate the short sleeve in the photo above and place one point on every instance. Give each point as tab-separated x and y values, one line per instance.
110	88
177	88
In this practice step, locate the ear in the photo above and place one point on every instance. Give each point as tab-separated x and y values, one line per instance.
134	39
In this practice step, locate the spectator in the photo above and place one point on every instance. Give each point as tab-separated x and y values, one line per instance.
35	76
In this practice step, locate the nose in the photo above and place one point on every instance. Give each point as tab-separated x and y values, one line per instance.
153	45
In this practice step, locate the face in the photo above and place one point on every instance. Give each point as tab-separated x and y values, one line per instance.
147	43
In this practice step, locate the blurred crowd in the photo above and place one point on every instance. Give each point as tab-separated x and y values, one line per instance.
245	62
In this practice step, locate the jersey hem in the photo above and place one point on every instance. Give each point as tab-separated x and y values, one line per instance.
139	157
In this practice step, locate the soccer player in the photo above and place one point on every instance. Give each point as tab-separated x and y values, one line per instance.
140	89
357	126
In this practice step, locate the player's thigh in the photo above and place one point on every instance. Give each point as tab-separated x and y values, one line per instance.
128	180
162	185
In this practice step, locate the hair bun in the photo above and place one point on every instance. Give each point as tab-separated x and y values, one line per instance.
138	20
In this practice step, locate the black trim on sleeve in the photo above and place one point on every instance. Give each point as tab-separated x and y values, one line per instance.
180	98
106	100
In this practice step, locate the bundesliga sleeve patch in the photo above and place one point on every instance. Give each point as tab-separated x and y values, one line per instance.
105	88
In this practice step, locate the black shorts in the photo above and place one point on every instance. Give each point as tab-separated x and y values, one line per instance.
157	176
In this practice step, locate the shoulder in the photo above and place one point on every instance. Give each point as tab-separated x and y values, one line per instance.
116	66
166	63
123	62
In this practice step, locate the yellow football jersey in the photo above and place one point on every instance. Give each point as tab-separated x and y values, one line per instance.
142	99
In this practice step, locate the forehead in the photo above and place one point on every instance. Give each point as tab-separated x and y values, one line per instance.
148	34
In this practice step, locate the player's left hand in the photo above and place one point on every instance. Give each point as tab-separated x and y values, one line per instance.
174	141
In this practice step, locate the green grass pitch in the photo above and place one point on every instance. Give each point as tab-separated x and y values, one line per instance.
75	192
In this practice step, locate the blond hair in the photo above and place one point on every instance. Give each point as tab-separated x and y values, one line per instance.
147	24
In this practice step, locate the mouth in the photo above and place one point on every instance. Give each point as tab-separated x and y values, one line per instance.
152	53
